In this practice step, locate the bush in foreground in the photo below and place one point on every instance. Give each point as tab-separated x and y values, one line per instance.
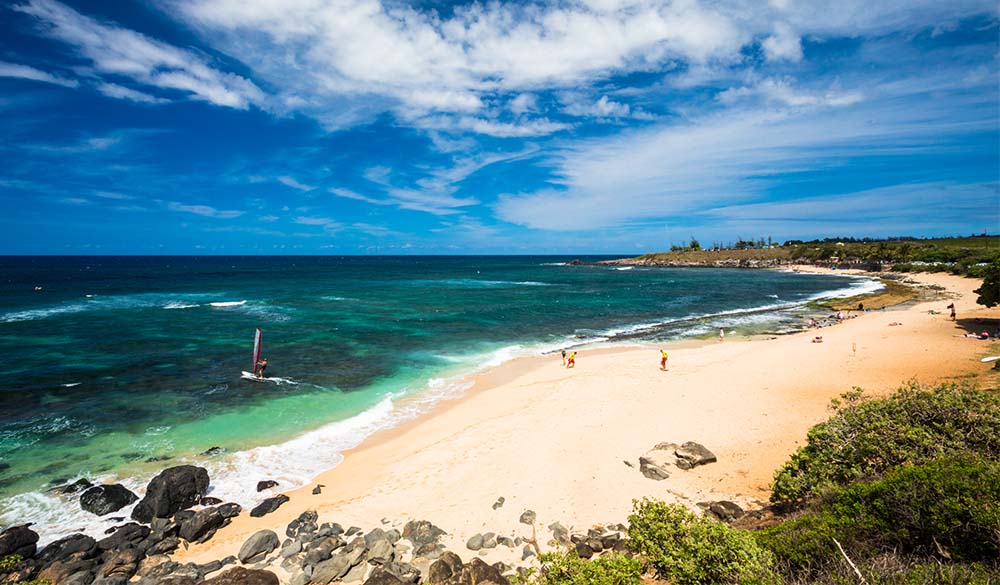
864	439
684	548
567	568
946	508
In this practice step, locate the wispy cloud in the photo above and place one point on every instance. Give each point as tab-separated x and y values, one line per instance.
123	93
294	184
24	72
118	51
203	210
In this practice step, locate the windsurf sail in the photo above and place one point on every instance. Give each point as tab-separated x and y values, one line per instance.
258	339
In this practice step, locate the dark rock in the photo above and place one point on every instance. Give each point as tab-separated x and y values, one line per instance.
203	525
119	567
475	542
381	552
404	572
305	523
266	485
165	546
330	529
393	535
380	577
230	510
694	454
505	541
352	531
443	569
173	573
657	462
501	567
209	501
331	569
126	536
64	547
608	540
18	540
490	540
242	576
258	546
60	571
595	545
322	550
174	489
183	516
356	574
431	550
115	519
499	503
374	535
212	451
726	511
559	533
421	532
527	517
583	550
477	571
105	499
269	505
291	548
158	458
527	552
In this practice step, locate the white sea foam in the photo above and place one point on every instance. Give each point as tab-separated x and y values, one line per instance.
102	303
180	306
554	264
228	303
624	267
70	384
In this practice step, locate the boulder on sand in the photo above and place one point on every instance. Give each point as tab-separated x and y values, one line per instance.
242	576
258	546
18	540
174	489
105	499
269	505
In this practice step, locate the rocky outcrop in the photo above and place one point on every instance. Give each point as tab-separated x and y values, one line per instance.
658	462
174	489
105	499
202	525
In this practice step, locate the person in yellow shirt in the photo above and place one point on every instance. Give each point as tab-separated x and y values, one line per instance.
663	360
571	362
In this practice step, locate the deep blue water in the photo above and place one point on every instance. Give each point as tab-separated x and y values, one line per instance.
118	360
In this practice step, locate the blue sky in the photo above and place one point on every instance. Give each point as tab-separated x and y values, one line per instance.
602	126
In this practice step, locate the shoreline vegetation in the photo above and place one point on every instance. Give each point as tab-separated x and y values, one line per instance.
732	466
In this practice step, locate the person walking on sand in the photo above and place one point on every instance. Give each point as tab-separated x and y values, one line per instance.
564	356
571	362
663	359
952	307
722	334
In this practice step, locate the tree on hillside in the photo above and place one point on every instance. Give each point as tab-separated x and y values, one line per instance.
695	244
989	293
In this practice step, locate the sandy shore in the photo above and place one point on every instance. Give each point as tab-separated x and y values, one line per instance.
556	440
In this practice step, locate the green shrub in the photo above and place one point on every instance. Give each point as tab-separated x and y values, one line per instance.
684	548
949	506
567	568
11	561
863	439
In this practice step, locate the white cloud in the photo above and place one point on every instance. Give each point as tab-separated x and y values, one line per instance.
294	184
123	93
602	108
24	72
268	218
119	51
523	104
783	45
314	220
726	159
519	129
782	91
203	210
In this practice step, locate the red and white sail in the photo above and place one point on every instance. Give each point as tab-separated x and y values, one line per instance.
258	339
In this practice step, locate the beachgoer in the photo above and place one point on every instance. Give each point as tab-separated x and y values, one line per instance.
722	334
261	366
564	356
812	322
840	315
818	339
861	307
663	359
571	362
952	307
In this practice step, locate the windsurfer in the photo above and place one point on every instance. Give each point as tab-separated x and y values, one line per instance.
261	365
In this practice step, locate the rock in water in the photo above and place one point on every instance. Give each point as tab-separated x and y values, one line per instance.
174	489
242	576
258	546
105	499
18	540
269	505
266	485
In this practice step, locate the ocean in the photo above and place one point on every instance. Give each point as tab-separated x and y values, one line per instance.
120	366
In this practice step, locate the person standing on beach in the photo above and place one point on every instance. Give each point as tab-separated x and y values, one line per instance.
952	307
564	356
722	334
663	359
572	360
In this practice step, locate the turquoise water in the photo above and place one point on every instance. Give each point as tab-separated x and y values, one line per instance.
121	366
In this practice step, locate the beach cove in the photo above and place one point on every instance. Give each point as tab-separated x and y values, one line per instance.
565	443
